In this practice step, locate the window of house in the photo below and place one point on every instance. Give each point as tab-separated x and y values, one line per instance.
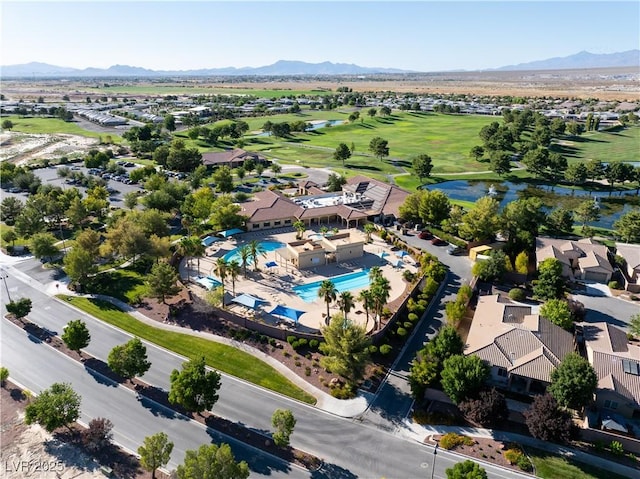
255	226
502	372
287	222
266	225
610	404
277	223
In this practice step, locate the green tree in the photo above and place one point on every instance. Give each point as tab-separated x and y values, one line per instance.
369	228
520	223
463	376
10	209
434	207
328	293
558	312
129	359
256	250
194	388
628	226
76	335
492	268
211	461
162	281
550	283
560	220
379	147
368	304
500	162
170	122
573	382
19	308
9	236
244	252
55	407
482	222
522	263
155	452
43	245
7	124
233	269
346	348
4	375
223	179
335	182
79	265
422	166
466	470
477	152
300	228
576	173
221	268
284	422
342	153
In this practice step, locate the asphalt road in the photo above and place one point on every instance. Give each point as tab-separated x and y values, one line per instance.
350	448
609	309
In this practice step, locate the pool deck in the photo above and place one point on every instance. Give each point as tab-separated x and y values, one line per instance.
275	284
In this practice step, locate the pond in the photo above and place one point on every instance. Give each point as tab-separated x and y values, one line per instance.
611	206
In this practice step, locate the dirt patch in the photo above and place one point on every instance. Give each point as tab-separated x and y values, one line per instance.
22	148
484	449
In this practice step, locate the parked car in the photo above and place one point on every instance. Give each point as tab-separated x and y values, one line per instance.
454	250
426	234
438	242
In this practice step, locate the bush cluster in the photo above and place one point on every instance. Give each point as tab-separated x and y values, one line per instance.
452	439
517	294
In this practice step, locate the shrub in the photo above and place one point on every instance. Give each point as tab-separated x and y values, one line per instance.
313	344
614	285
452	439
373	349
343	392
401	332
385	349
407	325
286	354
616	448
524	464
273	342
98	436
298	364
517	294
291	339
513	455
302	342
412	317
307	371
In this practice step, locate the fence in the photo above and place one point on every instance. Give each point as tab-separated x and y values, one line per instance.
592	435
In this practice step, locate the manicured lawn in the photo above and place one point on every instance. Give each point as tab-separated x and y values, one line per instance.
611	145
219	356
124	284
550	466
52	126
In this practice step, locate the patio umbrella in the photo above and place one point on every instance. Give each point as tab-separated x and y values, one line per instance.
402	253
383	254
249	301
397	263
286	312
209	240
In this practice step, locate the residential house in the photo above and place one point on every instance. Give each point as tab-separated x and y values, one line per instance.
617	365
584	259
631	269
231	158
521	348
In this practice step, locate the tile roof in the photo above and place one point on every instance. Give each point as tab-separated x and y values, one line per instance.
630	252
611	376
386	198
592	260
509	336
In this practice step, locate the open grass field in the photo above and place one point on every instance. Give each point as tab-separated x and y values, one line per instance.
52	126
549	466
610	145
219	356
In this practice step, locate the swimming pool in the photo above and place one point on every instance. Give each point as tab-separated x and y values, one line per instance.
266	246
346	282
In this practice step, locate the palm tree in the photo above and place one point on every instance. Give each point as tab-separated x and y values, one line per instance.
327	292
368	229
374	273
234	270
198	251
324	230
244	252
381	290
185	248
256	249
300	229
221	269
367	303
346	303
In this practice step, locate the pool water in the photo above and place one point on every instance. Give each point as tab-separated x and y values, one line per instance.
346	282
266	246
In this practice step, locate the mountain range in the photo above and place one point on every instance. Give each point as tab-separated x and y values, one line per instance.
580	60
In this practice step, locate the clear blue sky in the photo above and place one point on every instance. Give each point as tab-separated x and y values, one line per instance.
415	35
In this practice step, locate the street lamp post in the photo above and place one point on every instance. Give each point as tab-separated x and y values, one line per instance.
4	278
435	453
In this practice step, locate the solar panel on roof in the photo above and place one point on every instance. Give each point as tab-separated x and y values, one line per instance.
631	367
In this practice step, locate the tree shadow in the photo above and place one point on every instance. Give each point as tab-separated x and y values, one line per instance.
362	167
391	404
94	368
159	410
332	471
367	126
69	454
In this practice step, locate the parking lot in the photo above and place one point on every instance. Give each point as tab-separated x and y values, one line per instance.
49	176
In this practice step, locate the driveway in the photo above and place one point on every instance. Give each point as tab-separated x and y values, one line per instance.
610	309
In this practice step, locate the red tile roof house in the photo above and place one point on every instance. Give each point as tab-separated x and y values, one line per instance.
520	347
617	365
231	158
360	199
584	259
631	270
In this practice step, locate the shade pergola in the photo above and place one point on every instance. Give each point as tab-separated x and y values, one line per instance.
249	301
286	312
209	240
401	254
383	254
396	263
231	232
